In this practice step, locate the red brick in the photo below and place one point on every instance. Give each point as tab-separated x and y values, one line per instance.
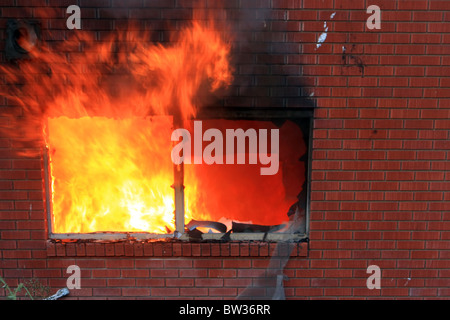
13	195
188	273
339	292
148	249
112	273
324	282
208	263
194	292
119	249
121	282
139	292
15	235
222	273
186	249
179	282
98	247
341	155
149	263
373	114
223	292
361	165
308	292
340	175
355	206
435	93
412	5
106	292
385	165
157	249
119	263
422	292
16	254
369	196
380	49
439	225
158	273
12	244
31	244
165	292
370	176
337	235
224	249
328	124
91	263
184	263
207	282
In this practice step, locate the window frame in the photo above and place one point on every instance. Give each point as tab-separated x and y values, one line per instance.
226	113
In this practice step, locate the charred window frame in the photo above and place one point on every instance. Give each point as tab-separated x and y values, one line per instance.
303	117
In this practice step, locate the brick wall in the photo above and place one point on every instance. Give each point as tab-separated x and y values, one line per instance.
380	171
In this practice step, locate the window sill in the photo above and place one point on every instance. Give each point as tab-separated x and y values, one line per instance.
173	248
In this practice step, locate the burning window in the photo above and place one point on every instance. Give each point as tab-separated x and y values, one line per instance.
118	176
110	174
108	111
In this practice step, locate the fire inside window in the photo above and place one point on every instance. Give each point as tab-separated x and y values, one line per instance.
116	178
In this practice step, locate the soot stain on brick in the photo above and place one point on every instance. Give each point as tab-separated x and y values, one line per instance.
349	60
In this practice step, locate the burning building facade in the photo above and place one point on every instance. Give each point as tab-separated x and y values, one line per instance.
210	149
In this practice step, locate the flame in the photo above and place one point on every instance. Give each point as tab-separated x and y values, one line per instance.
104	113
111	174
121	78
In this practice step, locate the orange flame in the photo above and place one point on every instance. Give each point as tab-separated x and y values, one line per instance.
111	174
109	154
106	111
